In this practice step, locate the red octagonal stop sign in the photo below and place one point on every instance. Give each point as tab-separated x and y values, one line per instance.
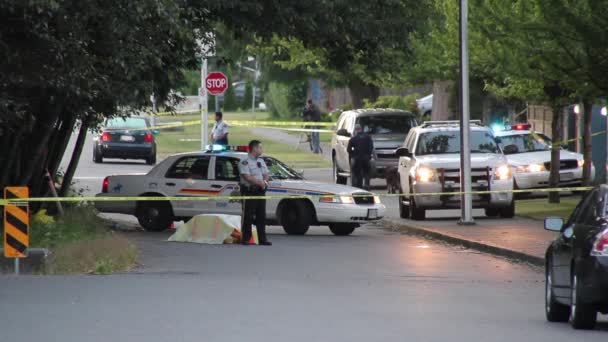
216	83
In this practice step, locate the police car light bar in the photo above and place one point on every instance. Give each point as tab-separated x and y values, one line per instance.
222	148
521	127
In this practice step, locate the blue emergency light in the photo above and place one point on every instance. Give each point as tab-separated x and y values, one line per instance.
222	148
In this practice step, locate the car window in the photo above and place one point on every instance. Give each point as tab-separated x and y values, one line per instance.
226	169
578	212
278	170
526	142
341	121
126	123
386	124
408	141
589	211
194	167
449	142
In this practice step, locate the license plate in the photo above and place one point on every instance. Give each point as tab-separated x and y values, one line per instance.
566	176
127	138
372	214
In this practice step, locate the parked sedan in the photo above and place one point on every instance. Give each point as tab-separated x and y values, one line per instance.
577	263
125	138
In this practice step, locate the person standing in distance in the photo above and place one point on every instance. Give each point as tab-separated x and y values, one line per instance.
360	149
313	113
254	182
219	135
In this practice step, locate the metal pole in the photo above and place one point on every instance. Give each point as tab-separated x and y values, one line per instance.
204	104
16	266
255	81
466	203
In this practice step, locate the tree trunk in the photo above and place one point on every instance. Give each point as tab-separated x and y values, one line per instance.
556	130
442	91
34	167
587	109
60	145
360	90
71	170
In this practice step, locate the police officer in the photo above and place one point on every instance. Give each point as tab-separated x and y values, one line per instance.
219	134
360	149
254	181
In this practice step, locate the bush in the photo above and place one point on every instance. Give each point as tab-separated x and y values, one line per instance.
230	100
76	224
246	101
276	100
407	102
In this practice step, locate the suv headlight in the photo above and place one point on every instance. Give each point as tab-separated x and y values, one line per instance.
337	199
425	174
503	172
532	168
581	163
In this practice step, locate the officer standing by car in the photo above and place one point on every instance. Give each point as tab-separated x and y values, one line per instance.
219	134
313	113
360	149
254	182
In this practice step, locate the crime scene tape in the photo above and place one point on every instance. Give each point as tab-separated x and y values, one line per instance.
297	196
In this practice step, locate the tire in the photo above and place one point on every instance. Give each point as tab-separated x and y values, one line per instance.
296	217
416	213
342	229
582	316
404	210
151	160
508	212
491	212
155	216
554	311
97	157
337	178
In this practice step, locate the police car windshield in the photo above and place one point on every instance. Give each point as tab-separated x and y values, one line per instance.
278	170
449	142
525	143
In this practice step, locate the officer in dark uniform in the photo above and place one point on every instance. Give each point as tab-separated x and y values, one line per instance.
360	149
254	182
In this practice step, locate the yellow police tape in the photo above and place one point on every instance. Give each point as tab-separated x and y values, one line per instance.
221	198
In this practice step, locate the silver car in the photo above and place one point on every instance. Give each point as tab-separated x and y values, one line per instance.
388	129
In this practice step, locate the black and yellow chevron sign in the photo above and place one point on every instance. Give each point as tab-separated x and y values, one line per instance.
16	223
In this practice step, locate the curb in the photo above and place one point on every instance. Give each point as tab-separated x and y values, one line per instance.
482	247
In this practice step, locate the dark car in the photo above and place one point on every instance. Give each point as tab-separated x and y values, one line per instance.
126	138
577	263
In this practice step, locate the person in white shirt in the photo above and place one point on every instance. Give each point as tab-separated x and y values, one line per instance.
219	135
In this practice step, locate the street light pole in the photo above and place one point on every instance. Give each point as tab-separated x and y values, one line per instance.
204	102
466	200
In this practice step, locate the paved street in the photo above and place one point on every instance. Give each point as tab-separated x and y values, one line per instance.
372	286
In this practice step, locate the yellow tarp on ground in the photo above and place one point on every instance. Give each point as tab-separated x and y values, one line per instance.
215	229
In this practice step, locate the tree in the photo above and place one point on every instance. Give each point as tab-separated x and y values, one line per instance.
247	98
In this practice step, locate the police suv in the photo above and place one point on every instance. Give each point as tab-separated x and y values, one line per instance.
529	153
214	173
430	163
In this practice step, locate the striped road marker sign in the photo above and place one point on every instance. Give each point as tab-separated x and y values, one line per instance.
16	223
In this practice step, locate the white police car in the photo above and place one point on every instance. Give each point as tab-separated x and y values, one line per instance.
529	153
215	173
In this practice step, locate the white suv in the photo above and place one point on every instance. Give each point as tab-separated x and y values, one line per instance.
430	163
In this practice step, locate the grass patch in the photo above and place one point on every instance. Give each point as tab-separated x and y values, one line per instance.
540	208
169	142
80	242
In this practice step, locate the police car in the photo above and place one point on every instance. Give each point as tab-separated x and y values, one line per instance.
529	153
430	163
215	173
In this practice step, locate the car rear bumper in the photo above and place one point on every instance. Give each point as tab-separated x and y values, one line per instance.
537	180
349	213
447	200
127	150
117	207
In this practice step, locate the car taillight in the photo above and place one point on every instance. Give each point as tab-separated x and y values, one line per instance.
600	246
105	136
104	187
149	137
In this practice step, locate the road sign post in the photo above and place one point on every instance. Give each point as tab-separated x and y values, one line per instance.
16	224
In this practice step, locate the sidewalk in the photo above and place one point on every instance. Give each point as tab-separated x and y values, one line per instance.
519	238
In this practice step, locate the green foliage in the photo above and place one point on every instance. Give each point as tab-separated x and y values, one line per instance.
407	102
230	100
191	83
276	98
246	101
77	224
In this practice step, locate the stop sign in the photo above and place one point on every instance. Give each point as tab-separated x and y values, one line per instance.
216	83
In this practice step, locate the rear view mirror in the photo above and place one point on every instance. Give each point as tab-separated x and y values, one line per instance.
554	224
510	149
343	133
403	152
